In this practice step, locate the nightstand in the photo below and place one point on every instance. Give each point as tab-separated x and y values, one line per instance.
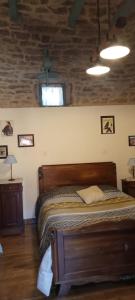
11	207
128	187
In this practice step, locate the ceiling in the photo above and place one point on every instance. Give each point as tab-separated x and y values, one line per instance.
32	25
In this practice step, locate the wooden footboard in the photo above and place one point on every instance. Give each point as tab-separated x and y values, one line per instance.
102	252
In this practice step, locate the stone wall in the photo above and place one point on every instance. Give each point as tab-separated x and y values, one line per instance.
44	23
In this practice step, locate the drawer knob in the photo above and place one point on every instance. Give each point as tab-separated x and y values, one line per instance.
125	247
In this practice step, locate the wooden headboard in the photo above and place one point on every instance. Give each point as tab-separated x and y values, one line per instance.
51	176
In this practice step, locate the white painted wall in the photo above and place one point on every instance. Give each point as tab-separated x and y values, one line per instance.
65	135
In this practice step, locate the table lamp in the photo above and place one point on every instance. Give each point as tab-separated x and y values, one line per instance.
10	160
131	163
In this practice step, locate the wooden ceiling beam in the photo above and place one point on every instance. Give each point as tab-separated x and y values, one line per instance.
13	12
75	12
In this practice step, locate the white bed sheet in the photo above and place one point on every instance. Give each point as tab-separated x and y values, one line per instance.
45	274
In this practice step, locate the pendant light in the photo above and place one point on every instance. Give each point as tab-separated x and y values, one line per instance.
98	69
114	51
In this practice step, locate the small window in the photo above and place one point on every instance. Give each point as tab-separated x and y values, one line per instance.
52	95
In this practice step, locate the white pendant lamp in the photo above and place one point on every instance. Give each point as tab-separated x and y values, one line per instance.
114	50
98	69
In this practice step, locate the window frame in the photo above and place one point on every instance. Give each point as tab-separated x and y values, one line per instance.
41	85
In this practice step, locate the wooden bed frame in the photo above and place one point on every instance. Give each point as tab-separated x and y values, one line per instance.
101	252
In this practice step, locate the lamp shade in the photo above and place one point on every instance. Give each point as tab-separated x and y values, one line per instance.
98	70
131	161
114	52
10	160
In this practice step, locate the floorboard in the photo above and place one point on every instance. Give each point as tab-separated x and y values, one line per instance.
19	267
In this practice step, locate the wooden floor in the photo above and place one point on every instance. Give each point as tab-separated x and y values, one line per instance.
18	273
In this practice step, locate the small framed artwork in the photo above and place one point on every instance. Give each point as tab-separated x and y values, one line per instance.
131	140
3	151
107	124
25	140
6	128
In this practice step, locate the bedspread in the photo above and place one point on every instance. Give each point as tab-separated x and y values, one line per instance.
65	209
69	211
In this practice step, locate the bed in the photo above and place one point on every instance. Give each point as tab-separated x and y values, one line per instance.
97	251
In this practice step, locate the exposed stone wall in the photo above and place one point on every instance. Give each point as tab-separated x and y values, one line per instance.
44	23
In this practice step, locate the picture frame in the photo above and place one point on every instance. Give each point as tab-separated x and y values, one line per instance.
131	140
25	140
7	128
3	151
107	124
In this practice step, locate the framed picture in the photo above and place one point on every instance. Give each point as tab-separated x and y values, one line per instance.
131	140
3	151
25	140
107	124
6	128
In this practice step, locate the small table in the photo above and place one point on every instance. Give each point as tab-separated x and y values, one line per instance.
11	207
128	186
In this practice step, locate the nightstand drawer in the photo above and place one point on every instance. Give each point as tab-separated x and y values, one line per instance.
131	191
10	187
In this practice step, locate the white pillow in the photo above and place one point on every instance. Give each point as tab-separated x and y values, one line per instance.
91	194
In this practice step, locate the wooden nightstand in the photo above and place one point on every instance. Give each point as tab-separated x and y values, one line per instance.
11	208
128	187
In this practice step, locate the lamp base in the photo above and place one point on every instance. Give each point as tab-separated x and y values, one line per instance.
11	179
